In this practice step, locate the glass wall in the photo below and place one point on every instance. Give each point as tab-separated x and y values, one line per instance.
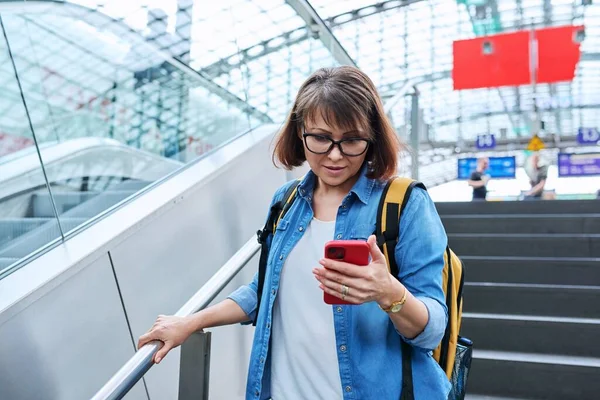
20	213
115	102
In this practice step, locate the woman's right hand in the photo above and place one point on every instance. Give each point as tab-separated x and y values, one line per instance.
172	331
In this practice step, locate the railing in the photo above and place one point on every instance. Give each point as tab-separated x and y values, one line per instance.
194	370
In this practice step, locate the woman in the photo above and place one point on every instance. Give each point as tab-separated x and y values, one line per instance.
304	348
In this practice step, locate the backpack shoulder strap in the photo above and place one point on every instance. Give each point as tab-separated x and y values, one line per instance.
288	200
393	202
276	213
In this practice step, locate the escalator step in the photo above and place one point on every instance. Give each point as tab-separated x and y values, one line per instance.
6	261
12	228
42	204
37	237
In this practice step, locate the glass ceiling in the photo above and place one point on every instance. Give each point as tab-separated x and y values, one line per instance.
259	52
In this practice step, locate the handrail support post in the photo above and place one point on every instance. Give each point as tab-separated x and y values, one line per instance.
194	367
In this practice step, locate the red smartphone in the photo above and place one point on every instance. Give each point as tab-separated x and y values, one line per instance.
349	251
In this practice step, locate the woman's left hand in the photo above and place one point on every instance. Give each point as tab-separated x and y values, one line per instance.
372	282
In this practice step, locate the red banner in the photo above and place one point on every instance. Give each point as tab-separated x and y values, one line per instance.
558	53
507	63
504	59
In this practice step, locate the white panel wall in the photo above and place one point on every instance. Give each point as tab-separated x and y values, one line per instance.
67	343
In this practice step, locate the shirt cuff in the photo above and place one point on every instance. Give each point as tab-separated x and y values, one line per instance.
246	298
434	331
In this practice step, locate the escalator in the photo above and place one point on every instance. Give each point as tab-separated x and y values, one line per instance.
87	177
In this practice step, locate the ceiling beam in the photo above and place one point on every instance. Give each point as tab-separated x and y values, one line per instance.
321	31
290	38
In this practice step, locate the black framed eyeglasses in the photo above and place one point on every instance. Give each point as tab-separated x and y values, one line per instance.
323	144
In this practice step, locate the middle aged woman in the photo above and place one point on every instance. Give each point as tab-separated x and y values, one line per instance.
304	348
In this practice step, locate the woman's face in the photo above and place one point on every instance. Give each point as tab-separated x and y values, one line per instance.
334	168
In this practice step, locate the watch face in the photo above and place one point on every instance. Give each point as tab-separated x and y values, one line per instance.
396	308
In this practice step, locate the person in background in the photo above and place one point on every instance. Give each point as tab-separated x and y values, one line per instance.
538	174
479	179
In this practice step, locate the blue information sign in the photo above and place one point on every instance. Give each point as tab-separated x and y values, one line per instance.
485	142
582	164
588	136
500	167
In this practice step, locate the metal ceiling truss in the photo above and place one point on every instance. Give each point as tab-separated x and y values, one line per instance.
319	29
291	38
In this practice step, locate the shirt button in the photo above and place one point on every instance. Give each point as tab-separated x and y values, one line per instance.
281	257
338	309
268	325
339	236
344	206
272	291
262	360
301	229
348	389
256	393
343	348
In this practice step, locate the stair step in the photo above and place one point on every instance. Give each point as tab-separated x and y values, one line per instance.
519	207
533	270
543	223
533	334
533	376
483	397
527	245
522	299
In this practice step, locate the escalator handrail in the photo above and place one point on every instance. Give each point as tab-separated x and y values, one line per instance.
134	369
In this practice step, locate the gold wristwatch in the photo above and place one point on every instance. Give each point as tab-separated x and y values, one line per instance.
397	305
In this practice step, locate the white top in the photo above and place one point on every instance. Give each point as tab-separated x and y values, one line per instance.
304	362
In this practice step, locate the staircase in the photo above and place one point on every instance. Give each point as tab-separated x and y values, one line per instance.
532	296
22	234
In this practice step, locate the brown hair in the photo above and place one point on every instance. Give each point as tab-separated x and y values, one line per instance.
346	98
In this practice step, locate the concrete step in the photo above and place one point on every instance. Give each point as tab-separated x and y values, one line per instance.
525	245
533	334
533	376
519	207
514	223
541	300
533	270
483	397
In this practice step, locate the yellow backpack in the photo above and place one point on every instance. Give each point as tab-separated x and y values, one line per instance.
454	352
393	201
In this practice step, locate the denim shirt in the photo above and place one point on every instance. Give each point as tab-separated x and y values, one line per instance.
369	348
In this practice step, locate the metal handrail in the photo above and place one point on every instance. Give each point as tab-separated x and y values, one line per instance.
133	370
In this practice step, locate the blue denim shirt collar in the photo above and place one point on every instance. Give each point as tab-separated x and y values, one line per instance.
362	188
